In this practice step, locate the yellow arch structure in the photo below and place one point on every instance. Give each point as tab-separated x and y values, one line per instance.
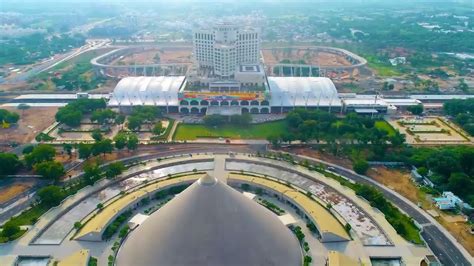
329	227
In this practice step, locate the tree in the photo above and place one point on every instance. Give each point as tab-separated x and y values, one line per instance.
23	107
274	140
9	164
69	116
40	153
214	120
68	149
415	109
72	113
96	135
77	225
444	162
10	229
462	86
51	196
120	140
27	149
294	119
132	143
8	117
422	171
114	169
134	123
361	166
91	173
288	137
85	150
397	139
157	129
49	169
104	146
103	116
461	184
119	119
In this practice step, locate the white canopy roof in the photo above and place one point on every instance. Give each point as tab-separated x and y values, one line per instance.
303	91
157	91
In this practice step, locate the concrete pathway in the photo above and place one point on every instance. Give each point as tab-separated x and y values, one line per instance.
173	129
219	168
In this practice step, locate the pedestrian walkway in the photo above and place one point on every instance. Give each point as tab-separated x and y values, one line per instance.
219	168
173	129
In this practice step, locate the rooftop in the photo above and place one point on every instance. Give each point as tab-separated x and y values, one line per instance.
157	91
210	223
324	221
303	91
99	222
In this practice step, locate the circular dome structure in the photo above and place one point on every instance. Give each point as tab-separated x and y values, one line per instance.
210	223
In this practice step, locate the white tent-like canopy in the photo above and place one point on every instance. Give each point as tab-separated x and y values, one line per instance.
154	91
303	92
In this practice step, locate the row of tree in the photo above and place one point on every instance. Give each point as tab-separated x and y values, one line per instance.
103	145
463	113
450	168
319	126
141	115
40	158
73	112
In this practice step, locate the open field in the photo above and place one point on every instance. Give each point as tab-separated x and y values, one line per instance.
276	55
10	191
400	182
254	131
155	56
32	121
382	69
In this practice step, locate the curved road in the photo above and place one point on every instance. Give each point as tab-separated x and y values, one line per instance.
162	150
441	245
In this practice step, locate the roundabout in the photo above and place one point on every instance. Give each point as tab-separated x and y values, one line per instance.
260	202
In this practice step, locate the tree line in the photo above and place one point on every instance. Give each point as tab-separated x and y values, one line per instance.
463	113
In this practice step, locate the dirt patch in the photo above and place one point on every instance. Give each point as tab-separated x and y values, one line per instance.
401	182
32	122
398	180
322	155
10	191
306	55
155	56
460	231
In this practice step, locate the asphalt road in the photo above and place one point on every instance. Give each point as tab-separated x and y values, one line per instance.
441	245
446	252
163	150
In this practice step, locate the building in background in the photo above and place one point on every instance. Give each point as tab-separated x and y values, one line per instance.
222	48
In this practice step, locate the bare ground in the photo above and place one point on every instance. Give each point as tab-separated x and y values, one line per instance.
400	181
178	55
10	191
32	122
273	56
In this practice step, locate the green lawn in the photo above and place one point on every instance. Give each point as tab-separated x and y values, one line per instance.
255	131
383	69
384	125
29	216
